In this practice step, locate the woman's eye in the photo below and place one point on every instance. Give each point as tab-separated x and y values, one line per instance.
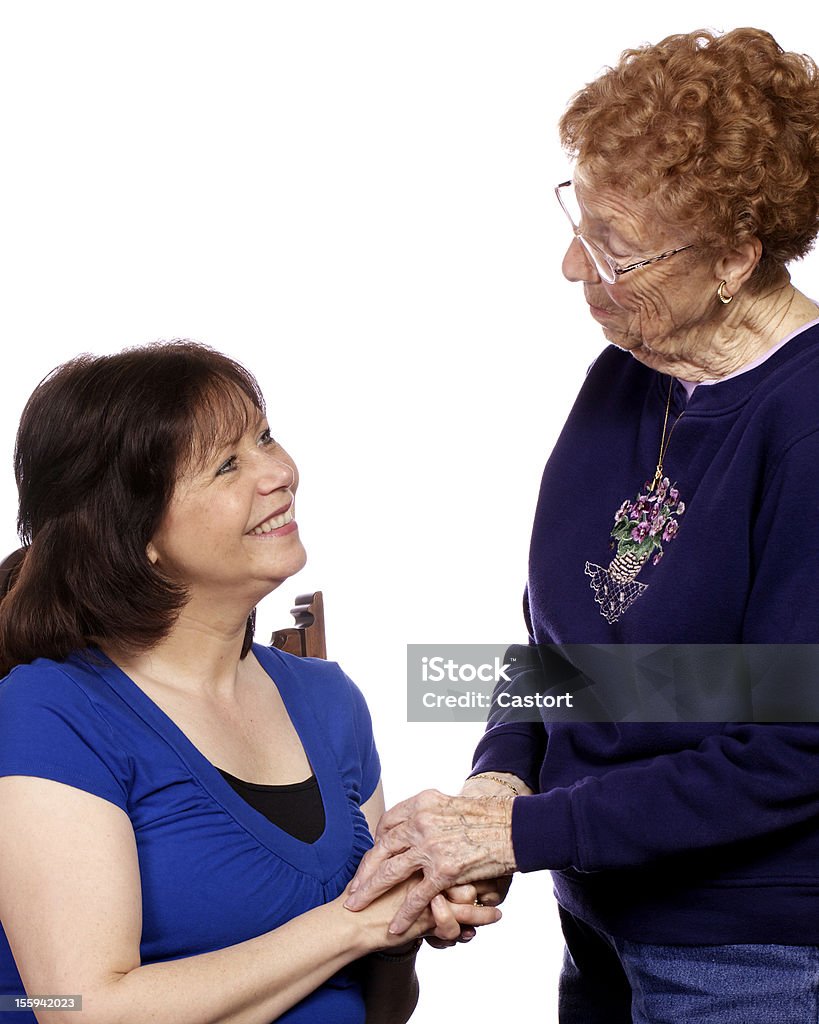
623	250
227	466
265	438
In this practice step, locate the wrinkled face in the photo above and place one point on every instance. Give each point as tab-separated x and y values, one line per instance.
663	313
229	528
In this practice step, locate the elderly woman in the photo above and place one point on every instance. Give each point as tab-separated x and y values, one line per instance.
181	809
680	505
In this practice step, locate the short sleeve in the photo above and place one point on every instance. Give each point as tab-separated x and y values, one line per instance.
365	741
50	728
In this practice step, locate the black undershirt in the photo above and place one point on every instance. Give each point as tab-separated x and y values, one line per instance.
297	808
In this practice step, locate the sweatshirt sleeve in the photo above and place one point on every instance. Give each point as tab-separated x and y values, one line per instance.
510	743
516	747
745	781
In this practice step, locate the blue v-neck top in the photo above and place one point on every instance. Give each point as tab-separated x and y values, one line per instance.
214	871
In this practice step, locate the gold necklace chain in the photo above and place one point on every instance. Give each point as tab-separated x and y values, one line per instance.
665	442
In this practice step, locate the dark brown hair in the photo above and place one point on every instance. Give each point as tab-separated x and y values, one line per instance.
100	445
722	131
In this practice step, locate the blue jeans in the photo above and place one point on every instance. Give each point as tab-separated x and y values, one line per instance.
606	980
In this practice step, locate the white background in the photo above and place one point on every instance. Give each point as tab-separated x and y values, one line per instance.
355	199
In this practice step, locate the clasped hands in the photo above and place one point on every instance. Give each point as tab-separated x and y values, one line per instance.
460	851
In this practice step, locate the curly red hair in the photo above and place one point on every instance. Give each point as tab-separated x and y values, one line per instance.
722	131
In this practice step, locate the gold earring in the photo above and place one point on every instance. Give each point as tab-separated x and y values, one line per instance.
723	298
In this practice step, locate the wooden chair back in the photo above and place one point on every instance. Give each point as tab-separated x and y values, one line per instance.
305	639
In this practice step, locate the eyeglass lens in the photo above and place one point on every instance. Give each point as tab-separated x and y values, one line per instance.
572	207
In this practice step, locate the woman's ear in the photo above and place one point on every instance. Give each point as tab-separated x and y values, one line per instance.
735	266
152	553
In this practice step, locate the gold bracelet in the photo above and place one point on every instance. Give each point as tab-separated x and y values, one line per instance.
494	778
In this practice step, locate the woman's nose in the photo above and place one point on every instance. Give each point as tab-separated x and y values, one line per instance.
577	264
277	472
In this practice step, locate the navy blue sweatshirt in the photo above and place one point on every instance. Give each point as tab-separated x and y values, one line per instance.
677	833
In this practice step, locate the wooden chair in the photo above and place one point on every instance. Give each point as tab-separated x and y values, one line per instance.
305	638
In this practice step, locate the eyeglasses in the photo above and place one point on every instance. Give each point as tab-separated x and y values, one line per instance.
604	263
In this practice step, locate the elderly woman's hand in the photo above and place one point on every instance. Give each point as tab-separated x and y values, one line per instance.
450	840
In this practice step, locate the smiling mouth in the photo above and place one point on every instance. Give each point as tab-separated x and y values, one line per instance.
275	522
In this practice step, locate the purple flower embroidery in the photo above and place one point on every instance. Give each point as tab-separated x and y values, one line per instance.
643	525
639	532
640	528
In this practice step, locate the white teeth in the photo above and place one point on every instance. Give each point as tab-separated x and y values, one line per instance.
273	524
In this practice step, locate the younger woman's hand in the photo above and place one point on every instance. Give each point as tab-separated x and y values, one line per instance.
479	894
443	921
